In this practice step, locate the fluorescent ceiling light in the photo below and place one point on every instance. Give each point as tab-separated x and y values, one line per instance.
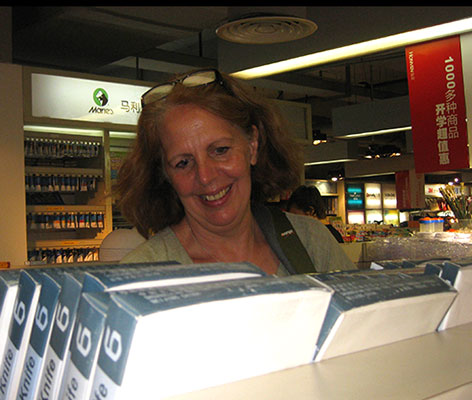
373	174
123	135
63	130
329	161
373	133
358	49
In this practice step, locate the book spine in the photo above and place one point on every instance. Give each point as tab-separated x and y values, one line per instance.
114	350
19	333
332	315
85	345
433	269
8	292
460	276
450	272
55	359
8	279
40	333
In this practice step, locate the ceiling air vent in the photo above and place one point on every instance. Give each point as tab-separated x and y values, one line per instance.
265	29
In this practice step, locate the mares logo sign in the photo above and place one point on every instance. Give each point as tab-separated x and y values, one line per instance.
101	99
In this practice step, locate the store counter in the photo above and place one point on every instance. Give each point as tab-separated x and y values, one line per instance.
434	366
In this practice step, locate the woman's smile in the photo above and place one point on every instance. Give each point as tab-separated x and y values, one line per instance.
213	198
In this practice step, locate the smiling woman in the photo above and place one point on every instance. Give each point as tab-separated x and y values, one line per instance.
208	154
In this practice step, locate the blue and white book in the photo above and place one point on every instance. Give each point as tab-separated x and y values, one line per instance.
373	310
86	339
51	286
80	364
459	275
8	289
19	333
161	342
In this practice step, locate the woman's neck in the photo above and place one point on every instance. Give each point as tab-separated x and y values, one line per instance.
234	244
247	243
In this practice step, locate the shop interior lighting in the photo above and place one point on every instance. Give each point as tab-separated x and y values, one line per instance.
62	130
341	160
78	131
336	175
123	135
358	49
374	133
319	138
382	151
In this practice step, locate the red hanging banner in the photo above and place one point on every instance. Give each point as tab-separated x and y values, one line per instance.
409	188
437	105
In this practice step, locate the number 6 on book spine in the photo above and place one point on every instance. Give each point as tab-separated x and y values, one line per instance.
119	329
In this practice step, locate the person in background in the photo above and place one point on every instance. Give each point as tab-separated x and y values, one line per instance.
307	200
209	152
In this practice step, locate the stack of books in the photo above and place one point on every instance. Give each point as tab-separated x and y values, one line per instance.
155	330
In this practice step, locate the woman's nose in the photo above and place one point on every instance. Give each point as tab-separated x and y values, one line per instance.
206	171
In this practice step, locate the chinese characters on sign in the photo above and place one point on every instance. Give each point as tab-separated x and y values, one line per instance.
437	105
131	106
446	113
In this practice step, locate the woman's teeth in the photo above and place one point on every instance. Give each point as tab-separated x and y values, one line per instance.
217	196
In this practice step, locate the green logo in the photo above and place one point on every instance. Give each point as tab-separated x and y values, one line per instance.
100	97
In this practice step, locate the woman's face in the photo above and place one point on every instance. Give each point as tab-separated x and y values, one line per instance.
208	163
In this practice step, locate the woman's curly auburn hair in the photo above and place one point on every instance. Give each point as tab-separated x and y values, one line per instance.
144	193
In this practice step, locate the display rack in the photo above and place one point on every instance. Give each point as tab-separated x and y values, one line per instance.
66	193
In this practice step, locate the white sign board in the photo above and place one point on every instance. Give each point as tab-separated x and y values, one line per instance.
85	100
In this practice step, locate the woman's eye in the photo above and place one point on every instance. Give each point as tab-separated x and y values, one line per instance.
221	150
182	164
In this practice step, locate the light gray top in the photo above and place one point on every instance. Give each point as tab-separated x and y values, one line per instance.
323	249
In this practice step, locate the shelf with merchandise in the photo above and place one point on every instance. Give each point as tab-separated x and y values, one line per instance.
66	191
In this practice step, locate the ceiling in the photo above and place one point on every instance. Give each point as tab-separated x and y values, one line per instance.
152	43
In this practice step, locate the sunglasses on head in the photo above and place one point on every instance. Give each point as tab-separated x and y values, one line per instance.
198	78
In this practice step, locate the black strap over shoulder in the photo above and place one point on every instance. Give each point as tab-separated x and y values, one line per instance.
290	243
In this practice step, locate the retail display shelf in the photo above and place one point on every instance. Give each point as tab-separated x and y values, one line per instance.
433	366
65	207
63	171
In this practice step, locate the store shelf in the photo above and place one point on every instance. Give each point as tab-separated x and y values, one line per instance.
434	366
46	170
66	243
66	208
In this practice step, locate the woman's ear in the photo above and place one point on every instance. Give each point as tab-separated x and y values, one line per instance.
254	145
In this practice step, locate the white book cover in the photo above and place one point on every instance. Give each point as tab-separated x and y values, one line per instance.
367	311
80	364
459	275
19	333
8	291
165	341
